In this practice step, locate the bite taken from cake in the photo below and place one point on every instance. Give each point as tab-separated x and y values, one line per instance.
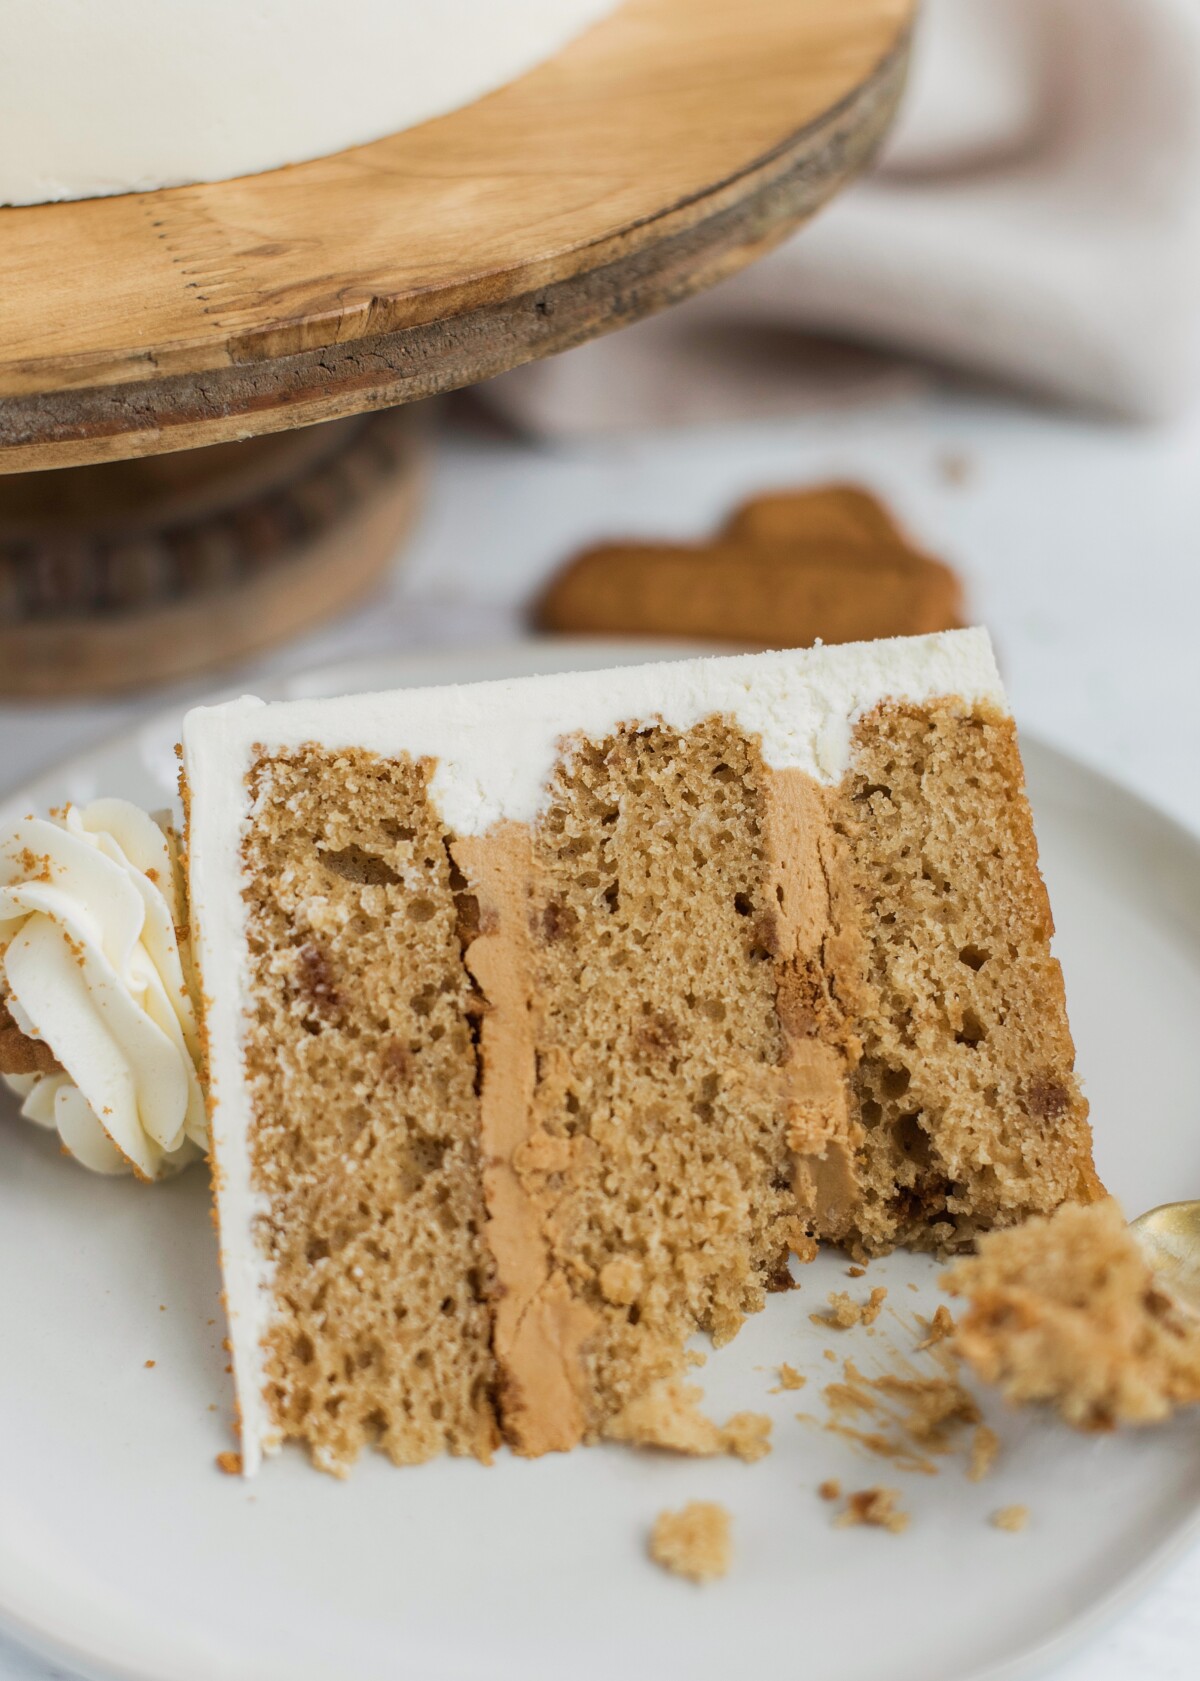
1068	1312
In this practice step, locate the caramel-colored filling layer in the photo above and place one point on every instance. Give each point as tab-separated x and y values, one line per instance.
653	1169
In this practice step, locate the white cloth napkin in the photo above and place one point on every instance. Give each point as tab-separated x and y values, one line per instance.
1035	219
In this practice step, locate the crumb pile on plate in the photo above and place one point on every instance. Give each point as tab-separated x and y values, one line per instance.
545	1019
1066	1310
907	1416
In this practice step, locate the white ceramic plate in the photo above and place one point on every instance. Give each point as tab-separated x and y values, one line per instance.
123	1551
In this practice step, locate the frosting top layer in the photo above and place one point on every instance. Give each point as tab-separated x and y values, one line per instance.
495	743
117	96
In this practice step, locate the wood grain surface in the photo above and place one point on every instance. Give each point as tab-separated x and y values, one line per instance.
660	152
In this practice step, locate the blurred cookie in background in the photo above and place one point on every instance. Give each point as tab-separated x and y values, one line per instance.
831	512
787	569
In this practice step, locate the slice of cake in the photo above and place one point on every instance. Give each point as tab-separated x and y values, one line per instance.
546	1018
1067	1311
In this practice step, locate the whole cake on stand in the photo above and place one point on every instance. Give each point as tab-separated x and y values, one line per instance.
517	176
146	96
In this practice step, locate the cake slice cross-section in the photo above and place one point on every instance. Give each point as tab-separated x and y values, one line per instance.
546	1020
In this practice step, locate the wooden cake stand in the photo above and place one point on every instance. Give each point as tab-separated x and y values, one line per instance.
667	148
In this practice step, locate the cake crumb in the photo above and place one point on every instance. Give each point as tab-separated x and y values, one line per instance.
904	1419
875	1507
985	1446
789	1378
694	1543
669	1416
844	1312
931	1406
149	1363
830	1489
856	1272
1012	1518
621	1281
875	1301
1066	1310
747	1436
230	1463
937	1329
830	1355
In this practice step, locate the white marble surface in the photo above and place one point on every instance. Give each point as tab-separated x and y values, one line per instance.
1080	542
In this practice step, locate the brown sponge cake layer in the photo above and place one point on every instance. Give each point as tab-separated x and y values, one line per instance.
361	1065
641	1191
967	1110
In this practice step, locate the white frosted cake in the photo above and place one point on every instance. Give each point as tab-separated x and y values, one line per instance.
116	96
547	1019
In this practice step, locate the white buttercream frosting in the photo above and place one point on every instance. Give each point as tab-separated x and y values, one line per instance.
91	911
116	96
495	746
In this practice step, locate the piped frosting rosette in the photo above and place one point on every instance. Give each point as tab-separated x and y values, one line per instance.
94	966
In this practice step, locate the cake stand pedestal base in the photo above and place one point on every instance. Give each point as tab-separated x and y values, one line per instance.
142	571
